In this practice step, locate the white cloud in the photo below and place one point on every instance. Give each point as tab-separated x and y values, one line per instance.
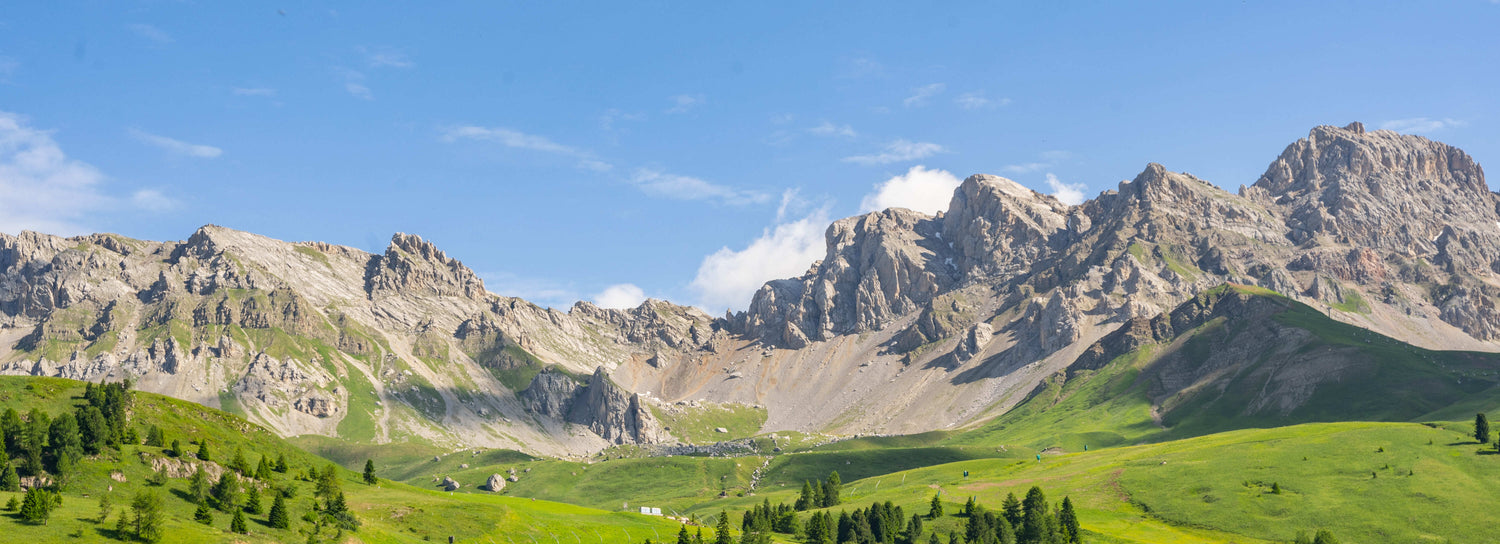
682	103
1068	193
830	129
658	183
977	100
612	116
1418	125
727	279
177	146
359	90
1049	159
898	151
509	138
919	189
151	33
253	91
46	191
595	165
153	200
920	95
620	296
385	57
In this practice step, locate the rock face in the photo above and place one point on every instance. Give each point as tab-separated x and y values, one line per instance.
603	407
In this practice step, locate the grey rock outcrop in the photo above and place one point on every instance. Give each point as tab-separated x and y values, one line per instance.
606	409
495	484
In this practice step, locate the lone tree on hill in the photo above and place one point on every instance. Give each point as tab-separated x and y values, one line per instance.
936	510
370	471
1482	428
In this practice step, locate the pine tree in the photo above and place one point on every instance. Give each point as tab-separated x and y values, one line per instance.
237	523
832	489
240	464
328	482
204	454
281	465
935	509
147	516
252	500
370	472
203	515
226	491
37	507
1326	537
1481	429
93	429
155	438
1034	514
914	528
263	470
279	518
805	500
683	537
1067	519
106	507
13	429
1012	509
12	505
198	487
176	448
34	441
9	480
934	539
698	536
969	507
721	532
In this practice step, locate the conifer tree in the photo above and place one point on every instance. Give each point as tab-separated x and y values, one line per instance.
93	429
226	491
37	507
203	515
1481	429
1012	509
721	532
281	465
240	464
13	429
683	537
263	470
831	488
935	510
9	480
34	442
252	499
106	507
177	450
1067	519
370	472
237	523
12	505
805	500
198	487
146	515
328	482
155	438
279	517
204	453
1325	537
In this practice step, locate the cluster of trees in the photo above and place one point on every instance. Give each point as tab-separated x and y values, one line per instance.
820	494
43	445
1028	521
881	523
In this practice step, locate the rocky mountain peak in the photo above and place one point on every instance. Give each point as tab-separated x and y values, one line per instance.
413	265
996	226
1376	189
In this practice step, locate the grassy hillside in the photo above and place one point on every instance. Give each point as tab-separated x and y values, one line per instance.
1343	373
390	511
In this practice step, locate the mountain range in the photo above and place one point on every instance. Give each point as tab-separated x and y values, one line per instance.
1262	304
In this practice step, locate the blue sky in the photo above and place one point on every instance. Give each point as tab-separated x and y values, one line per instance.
686	151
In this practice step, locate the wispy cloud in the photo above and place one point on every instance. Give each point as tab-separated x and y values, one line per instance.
667	185
613	116
1068	193
976	100
898	151
152	200
354	83
253	91
684	103
1418	125
921	95
385	57
48	192
508	138
175	146
830	129
150	33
